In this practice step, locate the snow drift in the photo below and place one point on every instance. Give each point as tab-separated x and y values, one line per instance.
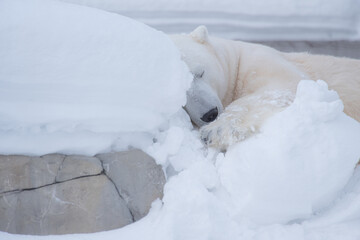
64	63
298	164
72	78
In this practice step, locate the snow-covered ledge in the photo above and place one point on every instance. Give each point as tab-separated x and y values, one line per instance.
75	81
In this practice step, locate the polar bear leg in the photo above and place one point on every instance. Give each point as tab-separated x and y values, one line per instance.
244	117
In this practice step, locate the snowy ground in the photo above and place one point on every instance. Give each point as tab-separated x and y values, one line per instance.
78	78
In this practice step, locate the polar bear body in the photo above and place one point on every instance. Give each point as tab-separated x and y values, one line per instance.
253	82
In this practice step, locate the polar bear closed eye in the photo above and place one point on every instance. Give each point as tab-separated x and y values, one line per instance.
204	102
252	82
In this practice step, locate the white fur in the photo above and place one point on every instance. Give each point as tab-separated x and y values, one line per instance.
254	81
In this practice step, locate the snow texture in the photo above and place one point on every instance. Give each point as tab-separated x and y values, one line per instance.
298	164
74	78
293	180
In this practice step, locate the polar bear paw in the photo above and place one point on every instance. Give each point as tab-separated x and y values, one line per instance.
244	117
222	133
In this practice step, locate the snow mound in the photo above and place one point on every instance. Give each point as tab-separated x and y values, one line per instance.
74	78
298	164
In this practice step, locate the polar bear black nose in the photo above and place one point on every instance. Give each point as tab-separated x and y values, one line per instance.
210	115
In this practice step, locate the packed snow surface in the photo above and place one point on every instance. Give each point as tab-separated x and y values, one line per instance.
294	180
72	78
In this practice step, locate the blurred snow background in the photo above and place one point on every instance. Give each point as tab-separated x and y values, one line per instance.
245	19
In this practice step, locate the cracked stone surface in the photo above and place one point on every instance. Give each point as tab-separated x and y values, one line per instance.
59	194
23	172
78	166
138	178
88	204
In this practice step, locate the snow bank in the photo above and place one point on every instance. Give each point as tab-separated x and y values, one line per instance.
75	79
243	19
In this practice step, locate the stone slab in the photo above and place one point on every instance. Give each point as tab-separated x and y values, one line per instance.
25	172
83	205
138	178
78	166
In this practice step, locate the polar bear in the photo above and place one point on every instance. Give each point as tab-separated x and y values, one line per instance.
252	82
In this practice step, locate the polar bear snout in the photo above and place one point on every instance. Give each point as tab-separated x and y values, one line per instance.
210	115
203	104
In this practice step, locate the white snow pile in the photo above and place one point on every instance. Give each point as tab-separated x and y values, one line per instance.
72	78
294	180
300	162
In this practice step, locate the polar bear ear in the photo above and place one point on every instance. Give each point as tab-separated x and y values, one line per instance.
200	34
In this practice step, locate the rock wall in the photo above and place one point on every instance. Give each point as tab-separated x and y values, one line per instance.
60	194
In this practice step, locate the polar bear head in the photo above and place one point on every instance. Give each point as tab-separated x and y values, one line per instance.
208	87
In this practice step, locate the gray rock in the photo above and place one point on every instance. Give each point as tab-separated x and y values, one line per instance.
83	205
137	177
58	194
78	166
23	172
